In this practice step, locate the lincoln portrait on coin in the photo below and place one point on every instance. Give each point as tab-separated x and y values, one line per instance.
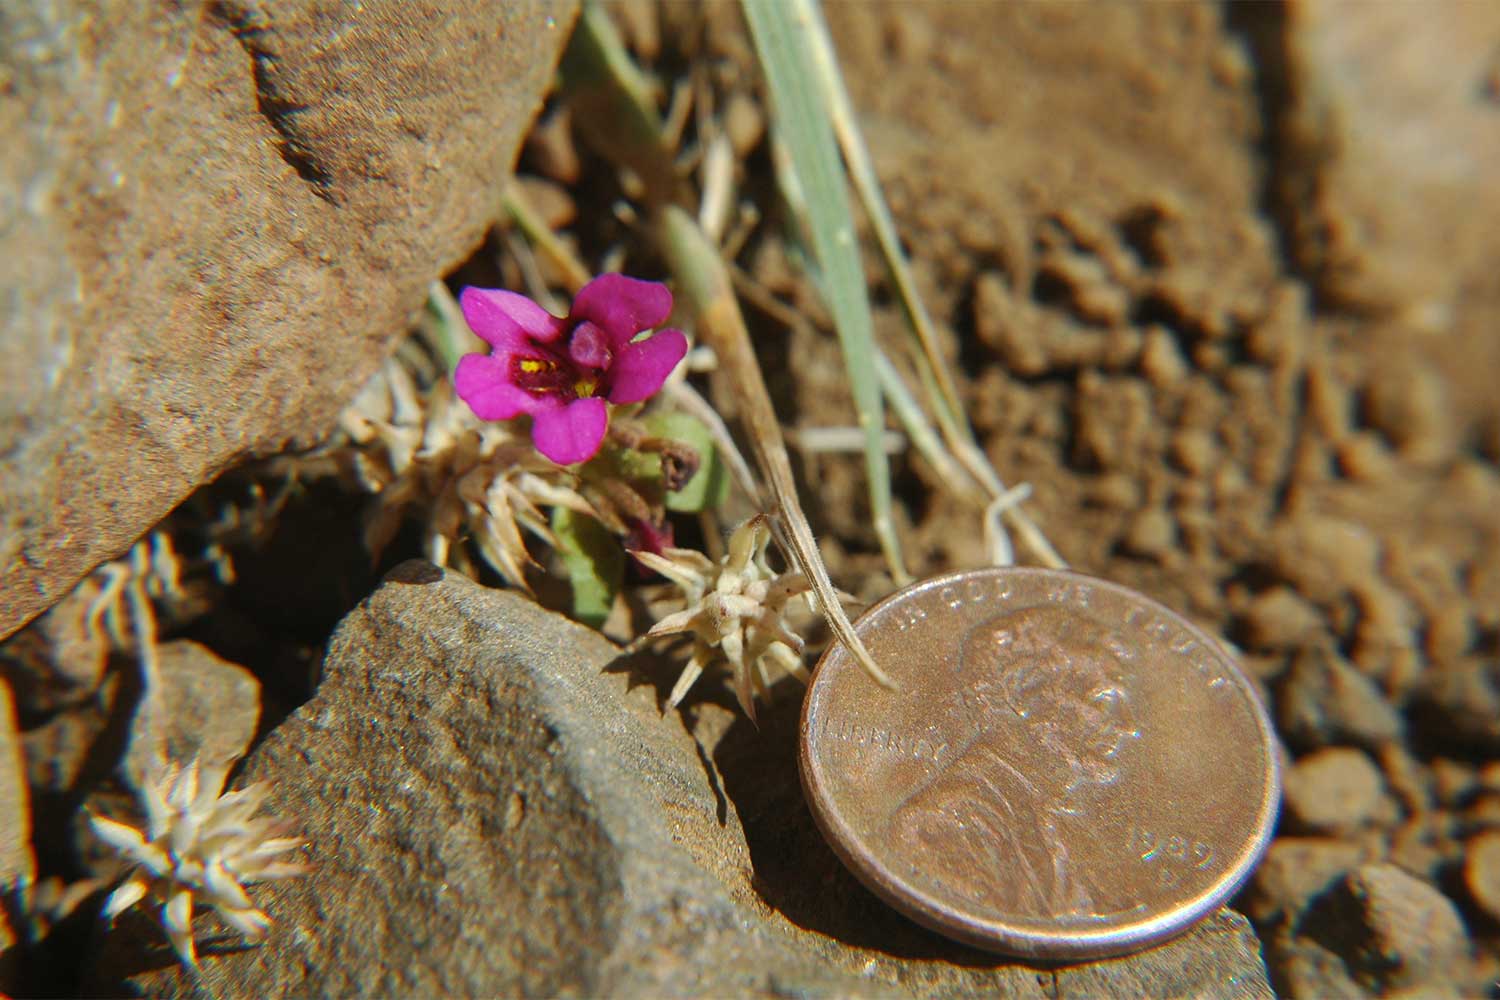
1040	722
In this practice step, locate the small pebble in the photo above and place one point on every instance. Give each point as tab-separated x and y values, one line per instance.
1484	812
1279	342
1115	491
1410	404
1450	633
1482	871
1413	933
1194	450
1295	870
1406	777
1334	790
1281	619
1151	535
1095	298
1324	557
1387	624
1412	849
1364	456
1325	700
1453	780
1161	361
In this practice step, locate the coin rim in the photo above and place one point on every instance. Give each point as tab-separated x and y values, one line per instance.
995	935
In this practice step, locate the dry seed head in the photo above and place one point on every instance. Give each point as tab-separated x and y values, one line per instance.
474	479
198	843
735	611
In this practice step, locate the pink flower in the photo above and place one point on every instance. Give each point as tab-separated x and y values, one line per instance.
561	371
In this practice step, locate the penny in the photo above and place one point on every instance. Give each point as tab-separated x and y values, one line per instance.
1067	770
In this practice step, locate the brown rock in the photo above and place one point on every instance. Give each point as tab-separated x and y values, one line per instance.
1324	557
551	150
1408	933
1303	967
58	659
1408	401
211	709
73	750
1379	931
1113	420
1115	491
1450	633
1482	871
220	219
1364	456
1295	870
1330	404
1336	789
1278	341
1280	618
1385	630
1152	534
1324	700
1453	780
1209	963
1161	360
1463	704
1194	450
1091	293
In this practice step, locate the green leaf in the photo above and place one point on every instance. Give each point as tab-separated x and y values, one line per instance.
709	486
595	562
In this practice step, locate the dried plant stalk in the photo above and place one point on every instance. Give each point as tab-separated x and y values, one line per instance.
706	284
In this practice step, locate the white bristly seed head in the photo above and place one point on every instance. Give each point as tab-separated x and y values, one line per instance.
735	613
199	845
473	479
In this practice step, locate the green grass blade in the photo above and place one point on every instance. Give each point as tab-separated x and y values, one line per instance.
933	372
782	45
835	99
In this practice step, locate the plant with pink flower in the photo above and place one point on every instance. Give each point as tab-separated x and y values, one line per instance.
564	372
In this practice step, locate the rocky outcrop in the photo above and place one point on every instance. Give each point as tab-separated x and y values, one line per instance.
214	220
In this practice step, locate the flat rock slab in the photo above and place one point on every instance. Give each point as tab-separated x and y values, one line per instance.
496	806
216	220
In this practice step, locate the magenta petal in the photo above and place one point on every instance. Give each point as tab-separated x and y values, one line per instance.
506	319
483	381
641	367
571	433
622	307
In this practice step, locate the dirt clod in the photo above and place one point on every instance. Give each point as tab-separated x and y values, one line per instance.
1333	790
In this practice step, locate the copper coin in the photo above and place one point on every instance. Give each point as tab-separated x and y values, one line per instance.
1068	770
